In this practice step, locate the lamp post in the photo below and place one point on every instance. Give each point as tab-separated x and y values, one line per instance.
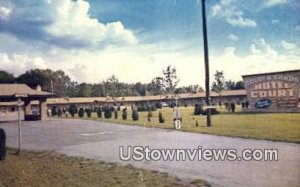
206	61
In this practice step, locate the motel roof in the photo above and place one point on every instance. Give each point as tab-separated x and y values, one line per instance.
74	100
10	90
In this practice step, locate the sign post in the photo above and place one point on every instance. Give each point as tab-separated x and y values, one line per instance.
19	96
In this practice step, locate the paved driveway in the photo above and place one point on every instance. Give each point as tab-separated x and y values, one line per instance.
101	141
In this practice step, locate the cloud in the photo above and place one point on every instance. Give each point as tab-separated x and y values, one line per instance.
297	28
4	13
275	21
288	46
271	3
64	23
233	37
226	9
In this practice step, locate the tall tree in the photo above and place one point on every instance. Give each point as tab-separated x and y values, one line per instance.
51	81
85	90
170	80
6	77
219	83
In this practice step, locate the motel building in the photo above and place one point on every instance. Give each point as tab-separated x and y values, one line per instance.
267	92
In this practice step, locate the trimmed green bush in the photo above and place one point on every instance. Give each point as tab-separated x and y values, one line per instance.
107	112
135	115
124	114
72	110
81	112
116	114
59	112
161	118
88	112
54	111
99	112
198	109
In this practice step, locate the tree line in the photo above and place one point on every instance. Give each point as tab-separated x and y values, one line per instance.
62	85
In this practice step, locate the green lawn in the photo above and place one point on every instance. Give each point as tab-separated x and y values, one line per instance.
279	127
52	169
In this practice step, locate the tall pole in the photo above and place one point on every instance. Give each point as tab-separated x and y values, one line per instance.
206	61
19	126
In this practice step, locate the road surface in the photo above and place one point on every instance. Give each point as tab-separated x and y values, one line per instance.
102	141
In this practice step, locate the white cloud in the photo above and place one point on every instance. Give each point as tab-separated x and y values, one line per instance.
297	28
22	62
275	21
73	21
242	22
233	37
64	23
288	46
4	12
271	3
227	10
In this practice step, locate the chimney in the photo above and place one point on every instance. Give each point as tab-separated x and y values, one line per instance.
38	88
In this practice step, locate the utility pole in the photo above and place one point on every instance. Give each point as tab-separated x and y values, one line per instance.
206	61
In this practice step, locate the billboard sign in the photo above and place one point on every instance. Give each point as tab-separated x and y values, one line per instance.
273	92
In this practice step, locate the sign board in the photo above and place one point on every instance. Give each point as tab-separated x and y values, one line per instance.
20	95
273	92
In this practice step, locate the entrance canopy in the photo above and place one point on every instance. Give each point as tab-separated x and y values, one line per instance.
13	92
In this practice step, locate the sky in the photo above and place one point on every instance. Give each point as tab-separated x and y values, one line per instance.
136	39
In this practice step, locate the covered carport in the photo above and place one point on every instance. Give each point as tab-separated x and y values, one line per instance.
21	94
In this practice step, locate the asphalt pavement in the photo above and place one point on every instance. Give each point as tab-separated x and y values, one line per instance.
102	141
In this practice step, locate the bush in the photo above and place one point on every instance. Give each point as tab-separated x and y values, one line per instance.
116	114
149	115
135	115
59	112
213	111
99	112
107	112
161	118
81	113
88	112
247	104
54	111
232	107
72	110
124	114
198	109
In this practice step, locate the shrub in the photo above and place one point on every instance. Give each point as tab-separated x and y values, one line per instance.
116	114
54	111
135	115
161	118
72	110
197	124
149	115
213	111
198	109
107	112
59	112
247	104
99	112
81	112
88	112
124	114
232	106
